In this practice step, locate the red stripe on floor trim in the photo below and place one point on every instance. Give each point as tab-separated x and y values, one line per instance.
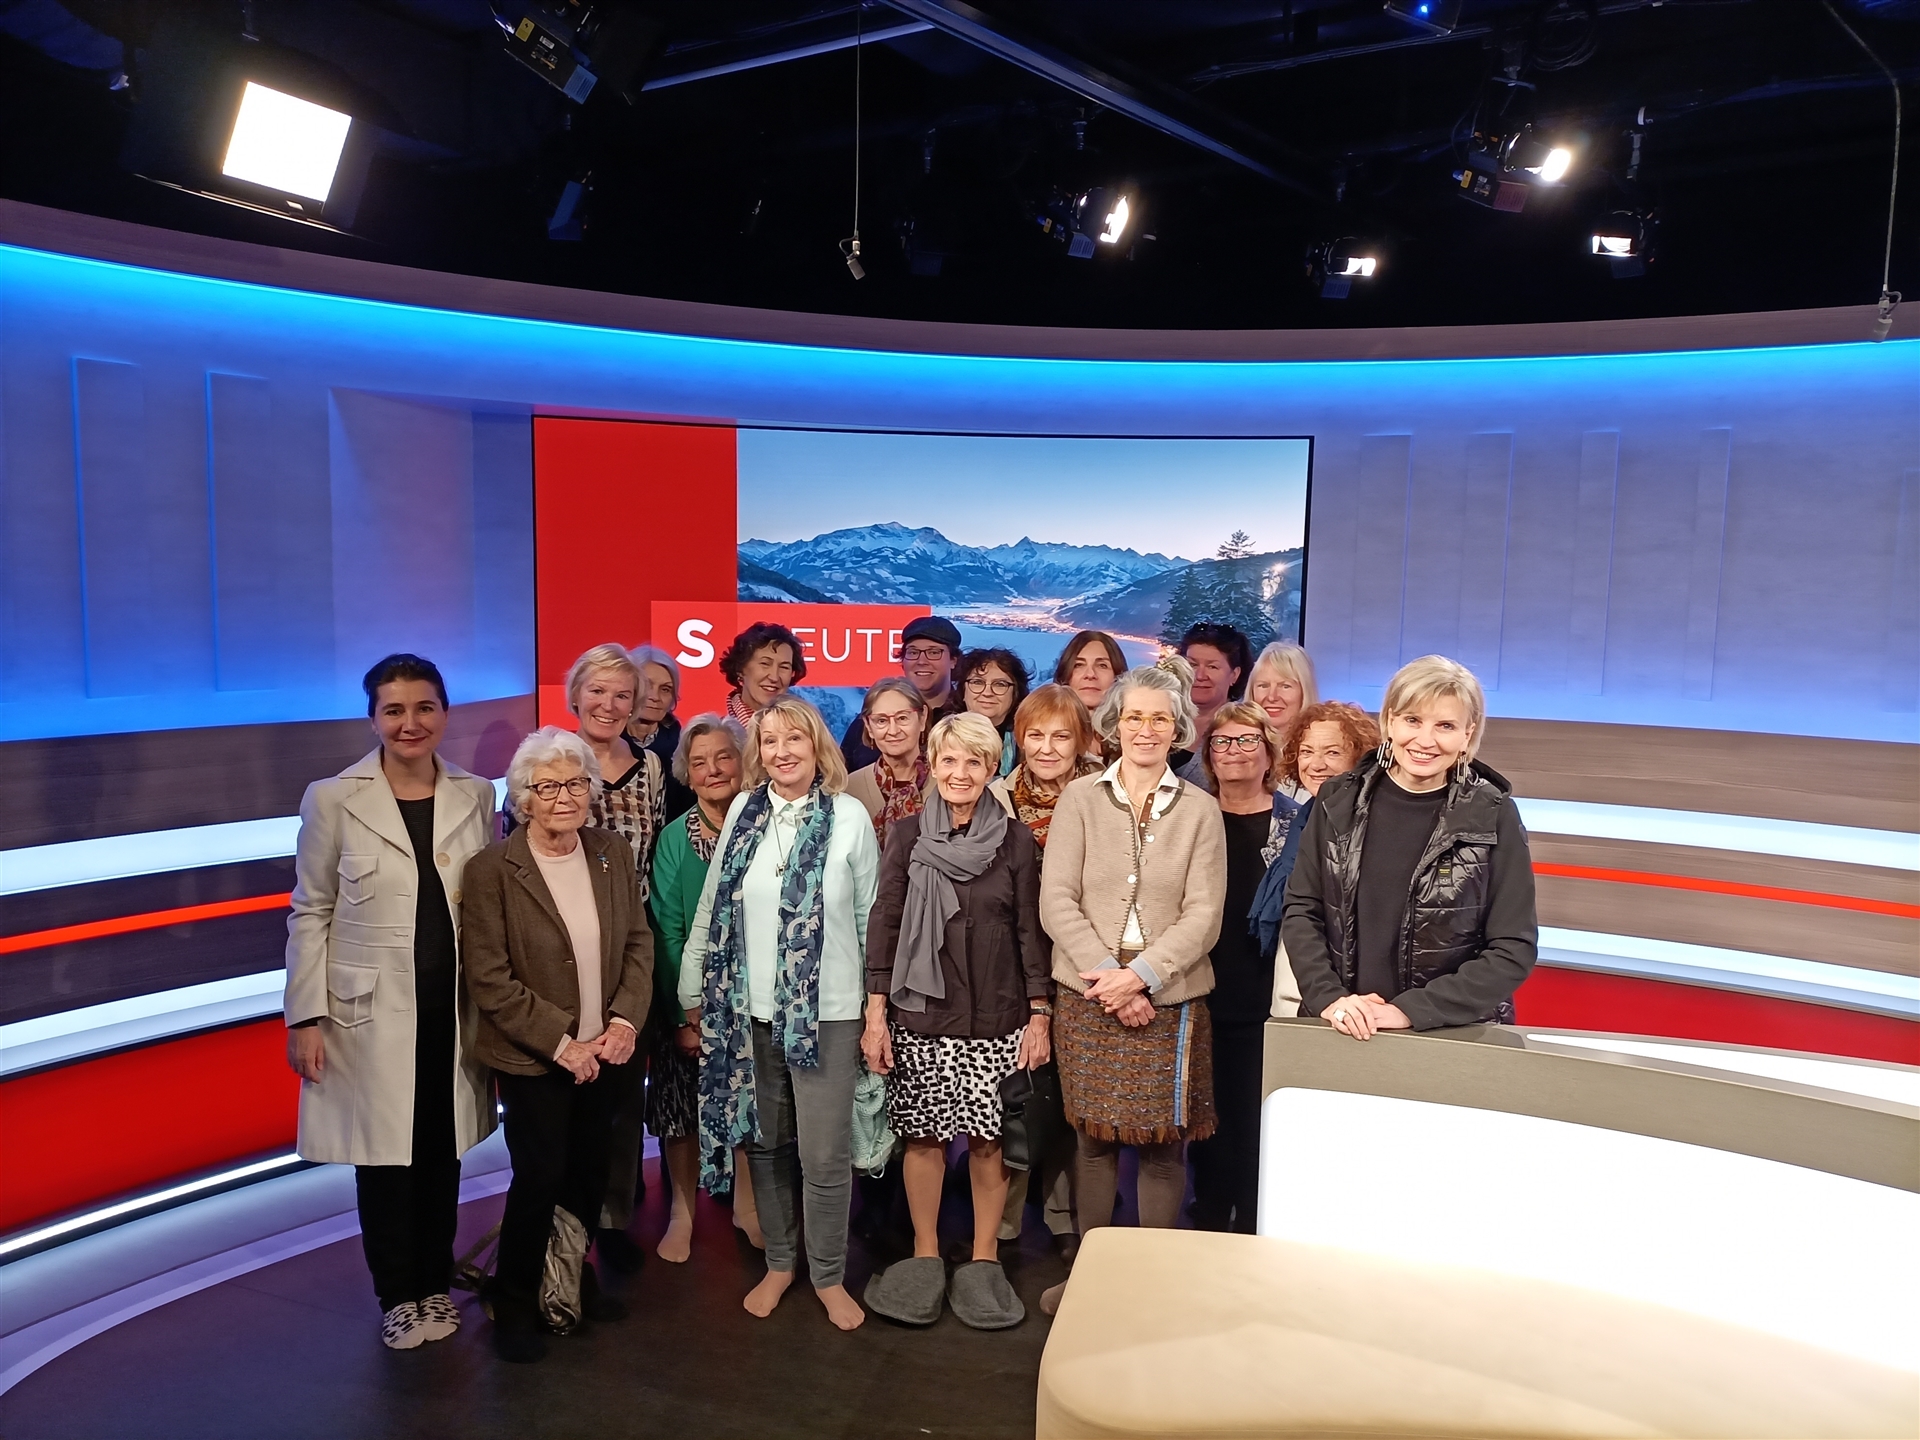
152	920
1731	887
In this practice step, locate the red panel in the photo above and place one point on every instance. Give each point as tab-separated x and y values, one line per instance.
625	513
842	644
1559	999
83	1133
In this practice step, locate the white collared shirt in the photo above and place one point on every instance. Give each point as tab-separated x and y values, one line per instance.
1164	790
852	878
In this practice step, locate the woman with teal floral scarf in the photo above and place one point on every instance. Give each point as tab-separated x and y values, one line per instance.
774	977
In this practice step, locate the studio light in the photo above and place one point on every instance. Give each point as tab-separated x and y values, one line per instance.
1501	169
1334	266
1089	219
1436	17
1625	240
285	143
574	45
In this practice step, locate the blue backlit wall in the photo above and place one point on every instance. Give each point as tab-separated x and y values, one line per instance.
219	500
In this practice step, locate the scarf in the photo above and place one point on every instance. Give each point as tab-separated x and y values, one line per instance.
1035	810
702	843
898	798
939	858
727	1114
738	709
1269	901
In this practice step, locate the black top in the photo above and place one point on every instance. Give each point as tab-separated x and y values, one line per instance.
1398	828
1242	981
434	960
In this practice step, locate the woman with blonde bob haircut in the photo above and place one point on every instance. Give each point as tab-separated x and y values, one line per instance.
1411	904
774	977
958	998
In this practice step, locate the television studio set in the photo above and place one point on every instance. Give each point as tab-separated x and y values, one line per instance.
650	651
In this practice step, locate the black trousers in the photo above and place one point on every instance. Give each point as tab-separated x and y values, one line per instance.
1226	1165
559	1135
408	1213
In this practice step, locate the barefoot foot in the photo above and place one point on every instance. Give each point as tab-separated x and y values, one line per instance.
676	1246
764	1296
842	1308
749	1225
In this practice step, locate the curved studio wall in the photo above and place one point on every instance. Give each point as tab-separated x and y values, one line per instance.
220	498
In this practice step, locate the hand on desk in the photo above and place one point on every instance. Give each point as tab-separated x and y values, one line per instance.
1361	1015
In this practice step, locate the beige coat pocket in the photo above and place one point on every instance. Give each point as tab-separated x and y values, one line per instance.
357	878
350	992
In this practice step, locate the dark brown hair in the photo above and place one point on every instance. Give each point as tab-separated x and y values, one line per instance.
1063	667
758	636
401	666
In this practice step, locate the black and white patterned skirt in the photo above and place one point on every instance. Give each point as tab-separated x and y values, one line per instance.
947	1085
673	1090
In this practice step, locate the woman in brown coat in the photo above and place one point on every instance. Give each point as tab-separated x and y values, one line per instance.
958	999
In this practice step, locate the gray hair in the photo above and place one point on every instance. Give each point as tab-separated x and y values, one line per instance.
645	655
708	724
1172	677
544	746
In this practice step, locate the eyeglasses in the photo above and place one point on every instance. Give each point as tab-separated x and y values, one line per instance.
1221	744
981	685
1140	720
924	652
902	721
578	786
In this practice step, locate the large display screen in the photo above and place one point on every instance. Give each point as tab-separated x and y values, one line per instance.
845	536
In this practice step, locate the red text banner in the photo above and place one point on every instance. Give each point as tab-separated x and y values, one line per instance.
841	644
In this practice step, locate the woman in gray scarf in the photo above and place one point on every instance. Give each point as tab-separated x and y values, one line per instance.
959	997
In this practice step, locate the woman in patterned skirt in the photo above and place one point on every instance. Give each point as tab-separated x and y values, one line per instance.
1136	876
603	687
957	963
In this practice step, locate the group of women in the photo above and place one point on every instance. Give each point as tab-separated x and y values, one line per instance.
716	930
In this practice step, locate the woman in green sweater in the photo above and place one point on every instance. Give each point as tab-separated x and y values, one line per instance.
707	760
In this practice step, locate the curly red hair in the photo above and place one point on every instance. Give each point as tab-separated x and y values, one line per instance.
1359	728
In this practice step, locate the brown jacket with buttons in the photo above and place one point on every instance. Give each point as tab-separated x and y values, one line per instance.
994	957
518	956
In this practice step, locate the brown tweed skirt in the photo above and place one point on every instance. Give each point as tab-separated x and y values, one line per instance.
1139	1086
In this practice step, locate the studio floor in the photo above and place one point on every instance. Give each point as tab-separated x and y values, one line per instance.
293	1351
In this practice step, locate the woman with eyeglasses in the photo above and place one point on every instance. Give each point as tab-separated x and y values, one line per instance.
559	957
894	717
993	683
1131	892
1242	752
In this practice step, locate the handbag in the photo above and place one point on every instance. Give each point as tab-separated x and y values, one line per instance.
560	1281
873	1138
1031	1116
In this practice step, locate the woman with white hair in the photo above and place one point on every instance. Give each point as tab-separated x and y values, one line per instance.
1411	901
604	687
559	959
709	763
774	976
654	726
1135	877
959	997
1282	684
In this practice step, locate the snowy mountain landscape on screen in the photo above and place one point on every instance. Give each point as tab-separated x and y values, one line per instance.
1028	585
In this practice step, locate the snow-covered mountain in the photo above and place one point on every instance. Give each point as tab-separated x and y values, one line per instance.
892	564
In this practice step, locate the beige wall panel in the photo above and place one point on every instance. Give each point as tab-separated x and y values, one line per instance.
1787	872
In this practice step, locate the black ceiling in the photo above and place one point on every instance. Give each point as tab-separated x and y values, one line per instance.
1248	131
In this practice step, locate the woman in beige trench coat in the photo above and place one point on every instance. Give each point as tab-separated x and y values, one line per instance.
380	1027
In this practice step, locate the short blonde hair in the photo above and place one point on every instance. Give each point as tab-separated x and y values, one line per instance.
1434	677
708	724
1172	677
1245	712
544	746
969	732
600	657
1290	662
800	715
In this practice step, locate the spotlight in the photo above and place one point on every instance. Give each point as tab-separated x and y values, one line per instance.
285	143
1436	17
1625	240
1501	169
1334	266
1092	218
574	45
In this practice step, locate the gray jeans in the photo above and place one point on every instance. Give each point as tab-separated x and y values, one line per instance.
805	1115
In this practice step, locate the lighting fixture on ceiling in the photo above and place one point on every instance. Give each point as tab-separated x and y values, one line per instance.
1090	219
285	143
1501	169
574	45
1625	240
1333	266
1436	17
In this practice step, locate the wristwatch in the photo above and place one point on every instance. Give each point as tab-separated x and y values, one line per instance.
1040	1007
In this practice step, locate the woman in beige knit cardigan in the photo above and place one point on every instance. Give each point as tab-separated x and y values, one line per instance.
1131	892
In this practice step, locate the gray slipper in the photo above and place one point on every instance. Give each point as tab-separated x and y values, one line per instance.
982	1298
909	1291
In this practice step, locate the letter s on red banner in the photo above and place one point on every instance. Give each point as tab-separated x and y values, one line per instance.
838	642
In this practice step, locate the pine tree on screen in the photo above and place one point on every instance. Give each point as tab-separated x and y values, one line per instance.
1187	606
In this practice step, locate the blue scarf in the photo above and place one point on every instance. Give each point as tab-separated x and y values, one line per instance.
1269	901
727	1115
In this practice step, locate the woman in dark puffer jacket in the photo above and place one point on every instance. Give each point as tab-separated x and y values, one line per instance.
1411	903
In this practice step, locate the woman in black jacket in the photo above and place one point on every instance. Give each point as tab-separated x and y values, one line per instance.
1411	902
